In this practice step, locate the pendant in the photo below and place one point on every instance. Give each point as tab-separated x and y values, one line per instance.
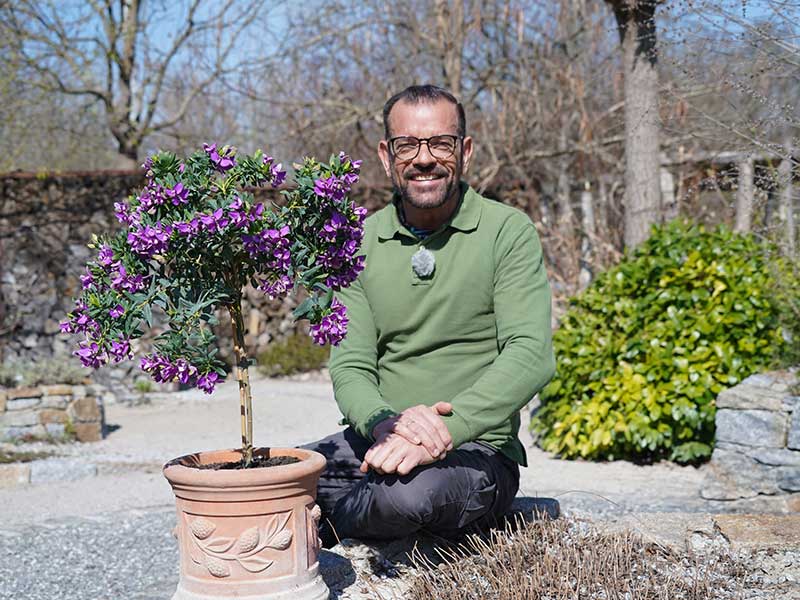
423	263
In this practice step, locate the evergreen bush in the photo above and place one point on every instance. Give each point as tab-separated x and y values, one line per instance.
644	351
296	354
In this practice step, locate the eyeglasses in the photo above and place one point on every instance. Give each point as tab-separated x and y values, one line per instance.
407	147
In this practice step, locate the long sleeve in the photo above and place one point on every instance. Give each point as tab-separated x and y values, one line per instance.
354	366
525	363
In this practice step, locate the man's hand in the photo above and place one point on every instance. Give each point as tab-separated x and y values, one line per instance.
421	425
392	453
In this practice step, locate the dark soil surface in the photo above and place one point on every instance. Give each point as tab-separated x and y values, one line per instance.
258	463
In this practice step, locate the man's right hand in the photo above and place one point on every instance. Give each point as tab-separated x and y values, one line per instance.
421	425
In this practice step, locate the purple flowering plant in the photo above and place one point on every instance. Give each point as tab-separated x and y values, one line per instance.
193	238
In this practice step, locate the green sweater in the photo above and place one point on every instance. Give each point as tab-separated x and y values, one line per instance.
475	333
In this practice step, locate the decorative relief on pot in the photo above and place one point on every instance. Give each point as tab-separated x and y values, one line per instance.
313	516
217	553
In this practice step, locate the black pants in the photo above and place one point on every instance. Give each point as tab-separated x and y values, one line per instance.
466	492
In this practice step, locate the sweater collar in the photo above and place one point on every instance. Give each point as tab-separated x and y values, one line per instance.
466	217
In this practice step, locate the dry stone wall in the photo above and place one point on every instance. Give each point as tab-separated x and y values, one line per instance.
56	412
757	450
45	224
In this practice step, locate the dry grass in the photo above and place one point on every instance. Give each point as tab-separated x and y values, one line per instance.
567	559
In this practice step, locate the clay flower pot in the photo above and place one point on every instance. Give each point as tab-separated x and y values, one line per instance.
248	533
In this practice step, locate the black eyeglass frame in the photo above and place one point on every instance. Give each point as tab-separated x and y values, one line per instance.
455	138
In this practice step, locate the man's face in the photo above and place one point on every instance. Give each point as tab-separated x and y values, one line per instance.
426	180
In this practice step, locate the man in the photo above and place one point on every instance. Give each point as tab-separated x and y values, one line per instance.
449	336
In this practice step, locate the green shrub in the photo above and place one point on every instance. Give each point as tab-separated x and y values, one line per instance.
296	354
644	351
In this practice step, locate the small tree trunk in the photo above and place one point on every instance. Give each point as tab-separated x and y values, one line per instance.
744	196
243	377
787	199
587	240
668	200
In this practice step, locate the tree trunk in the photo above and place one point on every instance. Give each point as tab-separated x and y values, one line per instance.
586	274
637	30
786	200
668	200
744	196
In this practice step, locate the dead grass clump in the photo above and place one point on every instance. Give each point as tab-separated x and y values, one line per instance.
567	559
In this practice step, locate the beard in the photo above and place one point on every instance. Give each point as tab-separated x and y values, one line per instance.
430	198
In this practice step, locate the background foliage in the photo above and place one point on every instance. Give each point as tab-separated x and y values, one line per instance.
644	351
296	354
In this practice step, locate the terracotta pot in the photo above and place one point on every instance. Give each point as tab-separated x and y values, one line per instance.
248	534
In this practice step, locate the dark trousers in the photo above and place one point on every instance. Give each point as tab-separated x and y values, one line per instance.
466	492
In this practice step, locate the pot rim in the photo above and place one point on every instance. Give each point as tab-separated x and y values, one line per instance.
178	472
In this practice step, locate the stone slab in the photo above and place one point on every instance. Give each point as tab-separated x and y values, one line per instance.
19	418
61	469
17	433
758	380
760	531
22	403
793	440
57	390
88	432
14	474
52	416
56	430
749	397
778	457
84	409
28	392
732	475
752	427
788	479
55	402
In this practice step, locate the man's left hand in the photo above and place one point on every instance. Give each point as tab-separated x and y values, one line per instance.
392	453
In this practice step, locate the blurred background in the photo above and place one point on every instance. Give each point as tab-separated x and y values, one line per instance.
100	84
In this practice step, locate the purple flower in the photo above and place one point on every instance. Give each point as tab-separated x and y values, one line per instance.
332	327
276	287
238	217
121	281
66	327
189	229
186	372
355	165
147	241
179	194
121	350
223	159
276	173
216	221
117	311
105	256
207	382
87	280
91	354
122	212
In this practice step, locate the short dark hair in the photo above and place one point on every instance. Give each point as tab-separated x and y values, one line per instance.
415	94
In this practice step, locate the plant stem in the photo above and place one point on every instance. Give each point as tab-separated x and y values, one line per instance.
245	398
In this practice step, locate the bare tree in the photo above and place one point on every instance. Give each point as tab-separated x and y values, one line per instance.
123	55
637	31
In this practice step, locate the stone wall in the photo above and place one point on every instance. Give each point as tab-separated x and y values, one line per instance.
757	450
57	412
45	223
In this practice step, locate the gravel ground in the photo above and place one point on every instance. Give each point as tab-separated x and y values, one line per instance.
118	555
